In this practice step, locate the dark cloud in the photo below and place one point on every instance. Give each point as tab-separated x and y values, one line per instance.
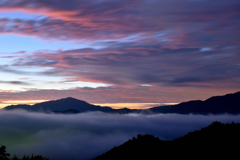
84	136
15	82
31	61
10	70
187	79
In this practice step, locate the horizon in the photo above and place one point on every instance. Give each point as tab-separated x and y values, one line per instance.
112	105
118	52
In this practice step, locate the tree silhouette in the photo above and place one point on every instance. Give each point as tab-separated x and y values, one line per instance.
3	154
15	157
38	157
25	157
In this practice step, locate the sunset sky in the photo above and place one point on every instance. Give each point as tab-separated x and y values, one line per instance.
118	51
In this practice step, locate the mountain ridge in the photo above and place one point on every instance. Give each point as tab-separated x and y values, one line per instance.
229	103
58	106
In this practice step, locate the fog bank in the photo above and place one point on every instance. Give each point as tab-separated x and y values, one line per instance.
86	135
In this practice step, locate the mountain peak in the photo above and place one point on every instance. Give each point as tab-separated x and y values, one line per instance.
69	98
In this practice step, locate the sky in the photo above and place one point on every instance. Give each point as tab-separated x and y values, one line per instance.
116	52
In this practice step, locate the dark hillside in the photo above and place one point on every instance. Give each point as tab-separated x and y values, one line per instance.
215	141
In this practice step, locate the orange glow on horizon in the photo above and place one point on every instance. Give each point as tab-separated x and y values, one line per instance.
133	105
13	102
112	105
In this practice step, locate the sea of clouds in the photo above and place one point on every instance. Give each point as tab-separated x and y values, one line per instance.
87	135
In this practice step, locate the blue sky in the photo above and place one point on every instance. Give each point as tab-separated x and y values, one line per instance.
32	44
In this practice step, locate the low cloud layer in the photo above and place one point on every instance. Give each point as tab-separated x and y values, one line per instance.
84	136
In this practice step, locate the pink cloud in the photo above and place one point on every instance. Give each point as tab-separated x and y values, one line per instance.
107	20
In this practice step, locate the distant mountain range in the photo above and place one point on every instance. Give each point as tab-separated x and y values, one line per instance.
213	142
229	103
66	106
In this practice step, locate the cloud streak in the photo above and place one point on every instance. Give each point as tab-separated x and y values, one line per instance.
149	64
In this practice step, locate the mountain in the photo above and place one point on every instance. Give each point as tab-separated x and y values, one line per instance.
66	105
229	103
215	141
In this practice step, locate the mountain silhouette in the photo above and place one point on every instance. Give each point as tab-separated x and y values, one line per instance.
229	103
215	141
65	105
